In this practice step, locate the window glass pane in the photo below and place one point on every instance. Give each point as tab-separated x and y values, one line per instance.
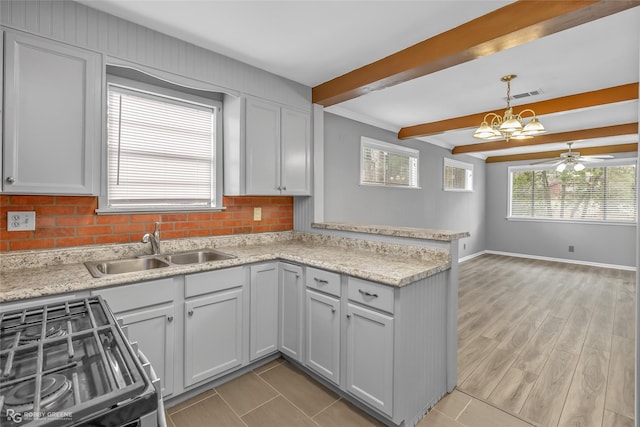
599	193
161	151
458	176
392	166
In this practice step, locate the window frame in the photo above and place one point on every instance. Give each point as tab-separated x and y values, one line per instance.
366	142
468	167
172	95
625	161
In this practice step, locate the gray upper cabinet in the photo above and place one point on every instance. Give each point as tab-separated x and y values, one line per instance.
271	155
52	117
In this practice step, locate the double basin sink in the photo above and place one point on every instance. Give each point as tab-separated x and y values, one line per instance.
150	262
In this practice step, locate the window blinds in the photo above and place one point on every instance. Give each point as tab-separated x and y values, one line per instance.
599	193
458	176
161	151
385	164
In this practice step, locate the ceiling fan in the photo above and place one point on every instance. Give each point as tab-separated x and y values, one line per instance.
572	160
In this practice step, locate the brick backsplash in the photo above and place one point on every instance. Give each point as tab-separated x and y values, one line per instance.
63	221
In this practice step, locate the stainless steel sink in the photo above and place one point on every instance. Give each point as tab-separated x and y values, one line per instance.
197	257
102	268
129	265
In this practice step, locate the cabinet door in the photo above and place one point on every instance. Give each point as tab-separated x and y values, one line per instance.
213	335
323	335
262	139
52	117
264	310
154	331
296	156
370	357
290	322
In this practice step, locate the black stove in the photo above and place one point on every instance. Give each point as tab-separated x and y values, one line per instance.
70	364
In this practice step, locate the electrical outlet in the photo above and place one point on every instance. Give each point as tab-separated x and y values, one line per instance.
257	214
571	248
21	221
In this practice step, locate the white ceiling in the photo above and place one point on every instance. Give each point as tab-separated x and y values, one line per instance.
312	42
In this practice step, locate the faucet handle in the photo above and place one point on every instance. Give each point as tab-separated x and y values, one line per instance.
145	238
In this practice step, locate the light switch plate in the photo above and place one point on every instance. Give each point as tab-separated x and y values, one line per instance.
257	214
21	221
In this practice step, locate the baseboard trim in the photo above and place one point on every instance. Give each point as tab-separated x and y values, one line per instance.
564	260
472	256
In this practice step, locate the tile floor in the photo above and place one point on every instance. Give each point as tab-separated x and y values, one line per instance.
279	395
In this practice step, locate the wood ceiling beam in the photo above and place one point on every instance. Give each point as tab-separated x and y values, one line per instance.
602	132
594	98
590	151
504	28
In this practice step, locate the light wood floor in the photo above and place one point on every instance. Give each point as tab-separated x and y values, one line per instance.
550	342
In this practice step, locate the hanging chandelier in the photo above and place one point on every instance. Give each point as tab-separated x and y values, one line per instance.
510	125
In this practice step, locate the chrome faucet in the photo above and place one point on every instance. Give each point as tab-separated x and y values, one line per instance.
154	239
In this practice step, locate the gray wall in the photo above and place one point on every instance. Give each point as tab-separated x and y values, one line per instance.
430	207
597	243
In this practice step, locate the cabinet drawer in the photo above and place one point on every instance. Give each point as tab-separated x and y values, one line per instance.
129	297
213	281
371	294
324	281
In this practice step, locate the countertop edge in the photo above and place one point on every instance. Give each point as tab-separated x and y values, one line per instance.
396	231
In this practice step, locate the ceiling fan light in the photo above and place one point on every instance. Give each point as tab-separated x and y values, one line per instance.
561	167
534	127
578	167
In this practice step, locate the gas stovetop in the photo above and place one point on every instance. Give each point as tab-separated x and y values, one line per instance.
70	364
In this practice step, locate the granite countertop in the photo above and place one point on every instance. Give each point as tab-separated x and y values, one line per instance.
394	265
392	230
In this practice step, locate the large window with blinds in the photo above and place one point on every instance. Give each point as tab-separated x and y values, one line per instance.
385	164
604	192
162	149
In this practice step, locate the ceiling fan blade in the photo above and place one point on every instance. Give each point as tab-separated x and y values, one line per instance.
556	159
604	156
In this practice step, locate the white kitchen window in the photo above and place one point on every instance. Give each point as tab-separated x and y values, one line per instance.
457	175
384	164
163	149
602	192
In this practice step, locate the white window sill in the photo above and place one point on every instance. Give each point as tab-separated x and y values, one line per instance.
104	211
572	221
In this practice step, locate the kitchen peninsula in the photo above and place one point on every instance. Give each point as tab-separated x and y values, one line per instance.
386	308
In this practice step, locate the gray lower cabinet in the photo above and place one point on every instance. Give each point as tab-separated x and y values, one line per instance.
147	310
213	323
290	293
48	149
323	335
370	349
264	310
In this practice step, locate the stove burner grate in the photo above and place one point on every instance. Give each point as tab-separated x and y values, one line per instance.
54	388
34	333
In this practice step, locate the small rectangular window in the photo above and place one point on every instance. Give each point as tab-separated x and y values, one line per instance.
387	164
458	176
604	192
161	150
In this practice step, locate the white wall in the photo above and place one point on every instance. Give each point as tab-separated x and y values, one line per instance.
593	243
